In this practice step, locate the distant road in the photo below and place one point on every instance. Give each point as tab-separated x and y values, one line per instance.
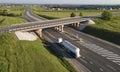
29	16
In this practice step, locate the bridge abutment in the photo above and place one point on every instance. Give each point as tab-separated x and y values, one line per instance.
39	32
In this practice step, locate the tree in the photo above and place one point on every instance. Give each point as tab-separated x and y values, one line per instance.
80	14
5	12
72	14
106	15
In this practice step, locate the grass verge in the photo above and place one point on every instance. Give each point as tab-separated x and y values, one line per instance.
26	56
107	30
60	57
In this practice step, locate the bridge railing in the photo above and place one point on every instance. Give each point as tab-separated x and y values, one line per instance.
42	24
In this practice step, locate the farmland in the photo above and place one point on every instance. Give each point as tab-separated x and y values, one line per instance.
4	21
16	10
65	13
14	18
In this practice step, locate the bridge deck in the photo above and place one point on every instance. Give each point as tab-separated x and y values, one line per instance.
41	25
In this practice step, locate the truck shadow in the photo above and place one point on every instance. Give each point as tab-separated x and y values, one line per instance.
56	50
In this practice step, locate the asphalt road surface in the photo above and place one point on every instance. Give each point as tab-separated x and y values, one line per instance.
92	60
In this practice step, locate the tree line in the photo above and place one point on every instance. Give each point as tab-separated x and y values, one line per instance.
5	12
106	15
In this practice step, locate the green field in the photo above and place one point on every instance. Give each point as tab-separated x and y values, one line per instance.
4	21
112	25
17	10
8	20
63	14
108	30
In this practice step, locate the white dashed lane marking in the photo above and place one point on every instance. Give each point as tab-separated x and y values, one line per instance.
103	52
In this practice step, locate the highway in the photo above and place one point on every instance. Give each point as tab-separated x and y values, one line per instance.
79	67
97	55
90	59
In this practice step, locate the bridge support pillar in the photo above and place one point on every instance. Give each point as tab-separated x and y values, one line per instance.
39	32
74	25
56	28
77	25
59	28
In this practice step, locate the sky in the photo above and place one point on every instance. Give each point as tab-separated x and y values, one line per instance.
63	1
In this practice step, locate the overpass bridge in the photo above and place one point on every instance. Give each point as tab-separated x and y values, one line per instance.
58	24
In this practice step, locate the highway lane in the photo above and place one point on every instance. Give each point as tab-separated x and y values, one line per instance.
95	62
54	35
108	50
105	49
79	67
94	40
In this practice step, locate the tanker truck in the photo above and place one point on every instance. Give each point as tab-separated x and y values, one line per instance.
70	47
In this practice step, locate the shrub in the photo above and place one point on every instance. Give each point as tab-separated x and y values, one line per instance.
106	15
80	14
72	14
